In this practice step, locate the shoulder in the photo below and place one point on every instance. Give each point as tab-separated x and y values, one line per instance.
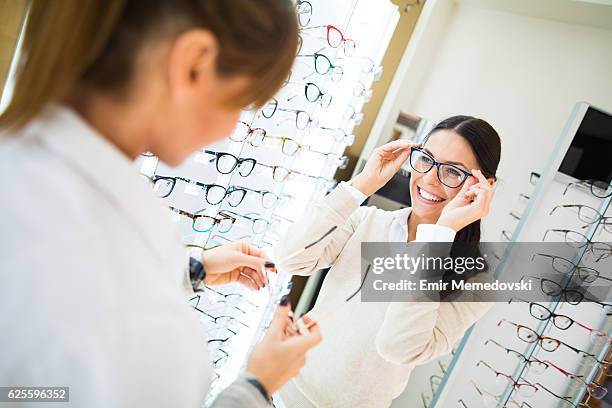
37	184
377	215
44	209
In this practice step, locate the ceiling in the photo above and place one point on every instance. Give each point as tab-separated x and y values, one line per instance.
595	13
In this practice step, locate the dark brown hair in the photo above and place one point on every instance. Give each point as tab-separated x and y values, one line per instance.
486	145
93	44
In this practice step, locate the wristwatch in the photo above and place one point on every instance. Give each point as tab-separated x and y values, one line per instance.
197	274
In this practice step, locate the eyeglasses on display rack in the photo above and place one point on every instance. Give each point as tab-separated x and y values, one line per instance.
227	163
223	320
232	296
339	161
561	322
585	213
243	131
577	240
269	109
450	175
314	94
506	236
195	302
279	173
302	119
605	224
339	135
425	399
534	178
323	66
366	64
525	389
533	363
258	224
491	400
565	266
599	188
268	198
228	335
219	239
221	358
514	215
304	12
547	343
434	383
205	223
289	146
567	398
351	114
213	193
336	39
594	390
571	296
360	91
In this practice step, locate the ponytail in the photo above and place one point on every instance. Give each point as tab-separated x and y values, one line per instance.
61	39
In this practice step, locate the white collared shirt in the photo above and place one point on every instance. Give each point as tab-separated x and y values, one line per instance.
398	231
93	284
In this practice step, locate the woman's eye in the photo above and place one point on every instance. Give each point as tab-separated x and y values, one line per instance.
426	160
451	171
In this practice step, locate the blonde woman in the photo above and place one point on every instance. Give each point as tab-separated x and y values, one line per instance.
93	282
371	348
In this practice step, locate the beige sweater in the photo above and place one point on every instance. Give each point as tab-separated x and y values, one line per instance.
368	349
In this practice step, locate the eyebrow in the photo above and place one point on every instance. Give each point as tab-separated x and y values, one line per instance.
448	162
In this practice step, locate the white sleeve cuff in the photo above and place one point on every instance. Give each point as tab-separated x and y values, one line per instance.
434	233
359	196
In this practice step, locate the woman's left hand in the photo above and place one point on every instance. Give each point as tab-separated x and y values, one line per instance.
236	262
470	204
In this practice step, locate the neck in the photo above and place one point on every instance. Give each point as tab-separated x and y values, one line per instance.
117	122
415	219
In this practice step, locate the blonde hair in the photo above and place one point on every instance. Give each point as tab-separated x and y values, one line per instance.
91	43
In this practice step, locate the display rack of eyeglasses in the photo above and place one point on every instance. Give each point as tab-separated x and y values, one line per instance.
276	163
553	352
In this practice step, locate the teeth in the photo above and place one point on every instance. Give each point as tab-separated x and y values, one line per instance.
429	196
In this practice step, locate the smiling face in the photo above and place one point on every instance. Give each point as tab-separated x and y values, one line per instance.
427	193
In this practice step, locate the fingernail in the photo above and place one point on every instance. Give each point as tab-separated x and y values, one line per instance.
284	300
269	264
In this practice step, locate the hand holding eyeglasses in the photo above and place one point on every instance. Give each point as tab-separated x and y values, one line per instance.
280	356
471	204
385	161
236	262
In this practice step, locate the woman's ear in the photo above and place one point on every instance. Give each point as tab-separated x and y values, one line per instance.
192	59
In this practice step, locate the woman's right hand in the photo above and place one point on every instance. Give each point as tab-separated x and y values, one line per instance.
280	356
385	161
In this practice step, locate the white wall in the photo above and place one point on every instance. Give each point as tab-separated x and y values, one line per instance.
523	75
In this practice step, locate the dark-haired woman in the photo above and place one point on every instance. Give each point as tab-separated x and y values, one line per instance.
371	348
93	281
